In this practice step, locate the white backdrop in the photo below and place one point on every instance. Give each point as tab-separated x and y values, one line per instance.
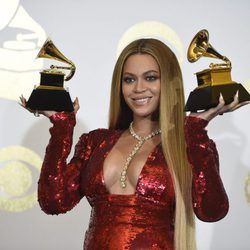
88	33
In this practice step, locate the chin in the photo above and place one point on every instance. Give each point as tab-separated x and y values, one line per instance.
142	114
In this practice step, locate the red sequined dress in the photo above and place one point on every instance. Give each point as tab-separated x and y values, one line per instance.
144	220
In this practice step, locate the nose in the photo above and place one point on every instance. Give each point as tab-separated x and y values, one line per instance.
140	86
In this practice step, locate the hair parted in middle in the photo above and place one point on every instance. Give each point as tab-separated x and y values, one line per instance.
171	121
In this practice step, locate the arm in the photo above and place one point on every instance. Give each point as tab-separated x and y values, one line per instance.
59	183
210	201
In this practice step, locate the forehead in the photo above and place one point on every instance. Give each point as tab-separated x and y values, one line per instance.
139	63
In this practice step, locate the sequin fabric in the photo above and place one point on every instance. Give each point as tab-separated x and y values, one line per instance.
144	220
210	201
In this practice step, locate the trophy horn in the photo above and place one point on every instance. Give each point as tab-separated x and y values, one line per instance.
49	50
200	46
215	80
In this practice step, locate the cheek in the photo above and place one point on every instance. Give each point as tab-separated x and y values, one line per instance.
124	94
157	93
125	91
123	88
156	89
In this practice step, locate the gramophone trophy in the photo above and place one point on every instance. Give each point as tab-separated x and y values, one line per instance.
50	94
212	81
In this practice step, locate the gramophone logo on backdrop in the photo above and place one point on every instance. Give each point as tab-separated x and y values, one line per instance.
20	40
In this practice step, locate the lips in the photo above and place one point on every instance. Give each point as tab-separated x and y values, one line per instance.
141	100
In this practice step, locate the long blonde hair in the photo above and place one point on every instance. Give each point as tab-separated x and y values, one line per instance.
171	121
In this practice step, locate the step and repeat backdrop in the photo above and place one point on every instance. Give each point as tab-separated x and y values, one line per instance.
92	34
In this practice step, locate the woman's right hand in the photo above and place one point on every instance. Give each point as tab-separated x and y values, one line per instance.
47	113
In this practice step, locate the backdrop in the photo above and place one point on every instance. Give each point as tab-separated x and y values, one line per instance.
91	33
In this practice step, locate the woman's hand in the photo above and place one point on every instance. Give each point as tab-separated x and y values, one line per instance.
221	108
47	113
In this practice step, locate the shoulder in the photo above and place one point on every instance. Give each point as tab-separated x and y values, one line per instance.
102	133
93	139
97	136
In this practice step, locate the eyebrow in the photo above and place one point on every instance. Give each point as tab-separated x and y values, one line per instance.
145	73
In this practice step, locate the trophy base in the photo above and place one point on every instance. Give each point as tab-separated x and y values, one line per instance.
208	97
44	99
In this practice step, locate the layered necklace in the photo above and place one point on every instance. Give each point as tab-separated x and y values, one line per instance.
140	142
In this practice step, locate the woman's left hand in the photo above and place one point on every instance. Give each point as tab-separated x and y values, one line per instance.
220	109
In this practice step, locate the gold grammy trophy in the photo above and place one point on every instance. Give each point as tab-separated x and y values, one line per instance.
50	94
212	81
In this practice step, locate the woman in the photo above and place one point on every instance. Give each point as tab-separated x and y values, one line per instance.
135	174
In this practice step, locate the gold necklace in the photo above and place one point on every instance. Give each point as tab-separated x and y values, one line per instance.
141	140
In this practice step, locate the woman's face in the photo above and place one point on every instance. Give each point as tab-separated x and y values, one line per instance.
141	84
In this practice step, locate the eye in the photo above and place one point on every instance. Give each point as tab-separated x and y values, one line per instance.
151	78
128	79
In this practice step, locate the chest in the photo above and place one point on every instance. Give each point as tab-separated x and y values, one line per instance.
127	157
151	177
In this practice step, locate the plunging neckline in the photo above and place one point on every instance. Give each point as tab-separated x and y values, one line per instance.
141	172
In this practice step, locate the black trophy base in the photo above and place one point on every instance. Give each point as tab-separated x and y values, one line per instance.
51	79
208	97
44	99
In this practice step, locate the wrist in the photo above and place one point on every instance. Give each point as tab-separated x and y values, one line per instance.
63	116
